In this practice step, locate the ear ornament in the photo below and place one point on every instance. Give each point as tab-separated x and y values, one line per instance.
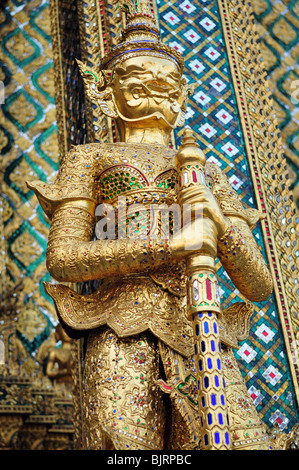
97	88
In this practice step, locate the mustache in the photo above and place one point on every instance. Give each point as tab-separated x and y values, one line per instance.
156	114
157	90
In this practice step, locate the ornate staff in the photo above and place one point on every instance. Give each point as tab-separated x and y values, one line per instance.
203	306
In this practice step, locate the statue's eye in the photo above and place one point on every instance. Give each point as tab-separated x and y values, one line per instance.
138	92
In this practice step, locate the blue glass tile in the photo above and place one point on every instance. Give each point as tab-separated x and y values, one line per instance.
206	382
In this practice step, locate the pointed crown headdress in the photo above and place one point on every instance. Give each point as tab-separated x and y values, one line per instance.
141	36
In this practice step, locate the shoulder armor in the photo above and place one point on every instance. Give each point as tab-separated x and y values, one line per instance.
76	179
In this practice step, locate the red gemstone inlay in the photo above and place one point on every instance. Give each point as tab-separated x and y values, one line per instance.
209	289
194	176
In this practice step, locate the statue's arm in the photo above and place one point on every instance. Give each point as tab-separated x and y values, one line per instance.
73	256
237	249
243	260
70	203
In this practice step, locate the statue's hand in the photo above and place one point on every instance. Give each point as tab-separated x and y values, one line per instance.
203	196
201	235
198	236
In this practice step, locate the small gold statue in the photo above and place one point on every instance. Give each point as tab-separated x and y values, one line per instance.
59	359
141	374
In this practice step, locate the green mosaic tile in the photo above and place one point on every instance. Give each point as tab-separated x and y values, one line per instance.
28	149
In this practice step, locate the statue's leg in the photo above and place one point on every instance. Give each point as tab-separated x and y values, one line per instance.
122	405
247	430
180	384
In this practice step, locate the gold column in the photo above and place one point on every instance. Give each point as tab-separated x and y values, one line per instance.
203	306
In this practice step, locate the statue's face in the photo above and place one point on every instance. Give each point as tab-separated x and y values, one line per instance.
148	91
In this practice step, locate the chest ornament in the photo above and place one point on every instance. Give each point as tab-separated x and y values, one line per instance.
126	180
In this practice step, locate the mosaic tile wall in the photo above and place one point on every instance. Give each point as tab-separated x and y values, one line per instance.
193	27
278	27
29	150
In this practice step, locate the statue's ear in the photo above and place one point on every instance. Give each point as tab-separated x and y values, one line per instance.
187	90
97	88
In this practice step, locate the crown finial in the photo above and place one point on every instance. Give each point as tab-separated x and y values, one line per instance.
140	22
138	6
140	37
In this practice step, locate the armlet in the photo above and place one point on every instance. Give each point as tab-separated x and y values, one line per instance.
51	195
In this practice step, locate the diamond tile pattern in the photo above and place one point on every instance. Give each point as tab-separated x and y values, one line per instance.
195	29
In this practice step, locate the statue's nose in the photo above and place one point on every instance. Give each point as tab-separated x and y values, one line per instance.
160	76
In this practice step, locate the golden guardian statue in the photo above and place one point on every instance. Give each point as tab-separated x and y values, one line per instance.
159	368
